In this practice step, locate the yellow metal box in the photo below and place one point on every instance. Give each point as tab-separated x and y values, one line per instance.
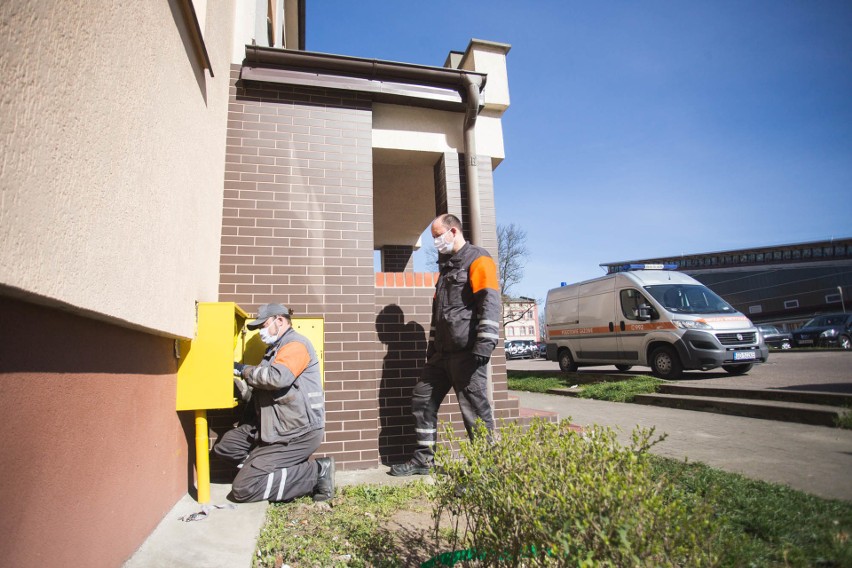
205	369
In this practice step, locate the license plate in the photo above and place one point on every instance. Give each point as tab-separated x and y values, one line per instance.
743	355
806	341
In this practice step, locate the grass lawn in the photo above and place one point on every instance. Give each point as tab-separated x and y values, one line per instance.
762	525
599	387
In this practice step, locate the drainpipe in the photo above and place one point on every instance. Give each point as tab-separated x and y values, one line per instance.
472	83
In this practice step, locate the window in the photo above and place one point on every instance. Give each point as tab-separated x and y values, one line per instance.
630	301
791	304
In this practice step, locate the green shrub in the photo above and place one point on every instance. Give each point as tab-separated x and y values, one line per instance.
549	496
845	420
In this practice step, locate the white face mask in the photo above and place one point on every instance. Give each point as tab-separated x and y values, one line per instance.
441	243
267	337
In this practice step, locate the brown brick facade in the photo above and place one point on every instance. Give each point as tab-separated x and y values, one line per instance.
298	229
403	313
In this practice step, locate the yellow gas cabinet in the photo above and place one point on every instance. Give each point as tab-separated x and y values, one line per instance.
205	375
206	363
250	349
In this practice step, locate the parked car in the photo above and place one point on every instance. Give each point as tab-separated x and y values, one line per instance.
542	349
774	337
825	331
521	349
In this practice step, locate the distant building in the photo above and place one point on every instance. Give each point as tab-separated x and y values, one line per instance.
520	319
783	285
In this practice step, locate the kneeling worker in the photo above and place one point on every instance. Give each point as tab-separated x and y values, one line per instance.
273	450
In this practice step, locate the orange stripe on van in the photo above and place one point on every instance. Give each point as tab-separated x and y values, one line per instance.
483	274
628	327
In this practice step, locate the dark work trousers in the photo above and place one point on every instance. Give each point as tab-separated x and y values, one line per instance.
443	371
271	472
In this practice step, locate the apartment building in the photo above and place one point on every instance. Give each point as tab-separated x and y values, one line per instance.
201	154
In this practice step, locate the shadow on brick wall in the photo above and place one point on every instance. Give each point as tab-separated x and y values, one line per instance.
405	344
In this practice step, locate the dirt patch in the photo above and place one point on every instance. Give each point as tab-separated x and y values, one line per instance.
412	532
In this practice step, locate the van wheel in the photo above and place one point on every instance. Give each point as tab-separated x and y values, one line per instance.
624	367
738	369
665	363
566	363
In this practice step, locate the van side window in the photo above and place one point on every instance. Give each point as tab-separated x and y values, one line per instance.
630	301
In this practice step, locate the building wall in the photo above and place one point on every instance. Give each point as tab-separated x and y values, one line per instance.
298	229
403	314
113	158
94	452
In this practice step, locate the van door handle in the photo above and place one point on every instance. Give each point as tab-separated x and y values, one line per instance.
621	324
611	327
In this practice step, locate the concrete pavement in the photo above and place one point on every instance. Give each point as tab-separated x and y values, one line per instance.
227	536
814	459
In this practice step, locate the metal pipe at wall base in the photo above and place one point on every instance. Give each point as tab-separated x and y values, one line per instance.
202	457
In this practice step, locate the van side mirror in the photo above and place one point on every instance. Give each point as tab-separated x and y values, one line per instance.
644	312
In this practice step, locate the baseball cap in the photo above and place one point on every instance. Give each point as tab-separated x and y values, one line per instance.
267	311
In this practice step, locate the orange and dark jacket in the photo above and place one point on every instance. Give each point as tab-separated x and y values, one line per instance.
466	307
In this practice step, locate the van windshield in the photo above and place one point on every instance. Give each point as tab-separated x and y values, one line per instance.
689	299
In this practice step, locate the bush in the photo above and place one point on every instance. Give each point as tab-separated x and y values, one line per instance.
549	496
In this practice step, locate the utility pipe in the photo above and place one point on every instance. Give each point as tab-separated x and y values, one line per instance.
202	459
473	84
354	66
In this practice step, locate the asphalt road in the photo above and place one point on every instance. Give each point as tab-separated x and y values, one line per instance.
814	459
806	370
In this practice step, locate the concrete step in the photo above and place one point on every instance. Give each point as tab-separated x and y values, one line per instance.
802	413
801	396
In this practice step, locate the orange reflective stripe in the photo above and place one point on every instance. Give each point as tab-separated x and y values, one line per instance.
294	356
483	274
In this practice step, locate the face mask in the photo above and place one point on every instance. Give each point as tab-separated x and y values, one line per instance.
267	337
442	245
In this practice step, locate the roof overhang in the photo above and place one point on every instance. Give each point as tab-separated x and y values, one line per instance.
384	81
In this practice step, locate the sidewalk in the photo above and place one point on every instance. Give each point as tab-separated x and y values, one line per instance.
814	459
226	538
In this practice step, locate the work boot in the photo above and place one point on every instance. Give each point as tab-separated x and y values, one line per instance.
410	467
324	489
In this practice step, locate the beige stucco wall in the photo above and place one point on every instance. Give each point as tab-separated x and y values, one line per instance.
427	130
113	144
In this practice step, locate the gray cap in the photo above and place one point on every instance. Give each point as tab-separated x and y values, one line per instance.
267	311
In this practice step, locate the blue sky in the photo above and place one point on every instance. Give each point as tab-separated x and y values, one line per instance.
644	129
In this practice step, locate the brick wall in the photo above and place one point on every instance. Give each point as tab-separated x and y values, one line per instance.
403	314
397	258
297	229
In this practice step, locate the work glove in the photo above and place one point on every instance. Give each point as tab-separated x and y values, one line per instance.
238	369
481	359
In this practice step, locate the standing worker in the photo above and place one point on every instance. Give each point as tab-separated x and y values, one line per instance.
273	450
464	332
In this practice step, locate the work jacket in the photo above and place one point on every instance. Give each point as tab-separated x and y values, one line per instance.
287	389
466	306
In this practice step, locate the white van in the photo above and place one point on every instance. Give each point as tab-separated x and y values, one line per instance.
649	316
